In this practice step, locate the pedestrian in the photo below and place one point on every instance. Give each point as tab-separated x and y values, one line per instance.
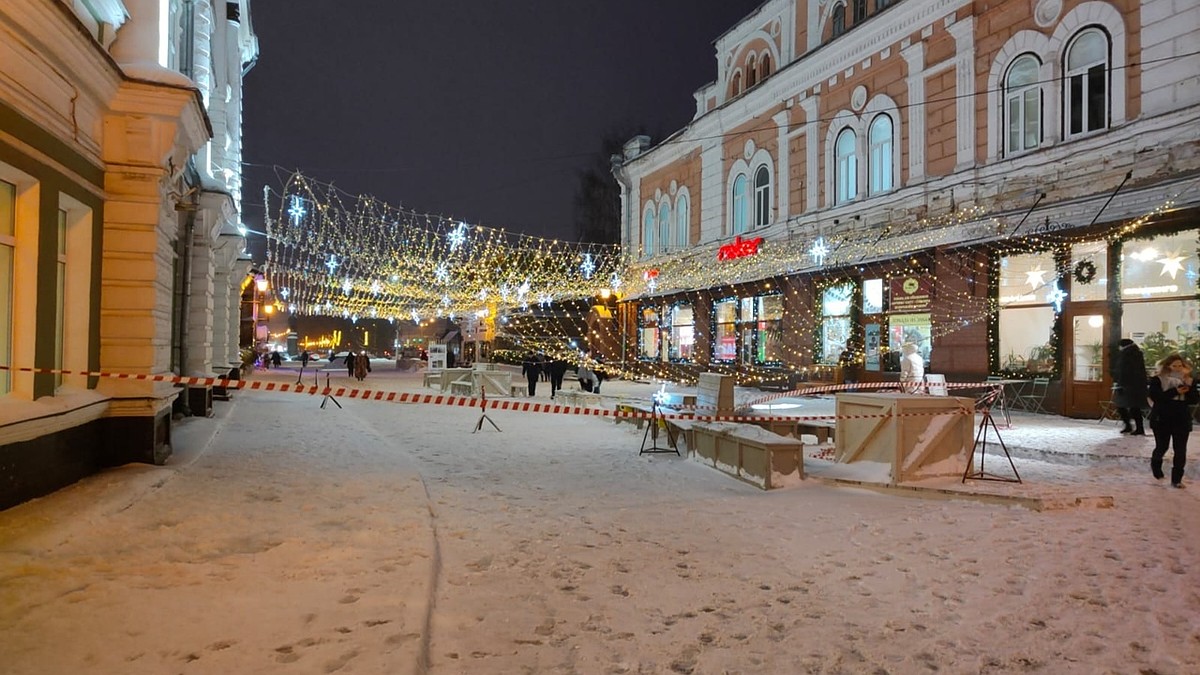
585	376
349	364
598	375
276	359
1172	392
1131	382
304	359
531	368
912	369
558	368
362	366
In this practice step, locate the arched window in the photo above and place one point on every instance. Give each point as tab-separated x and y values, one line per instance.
648	231
882	4
739	202
839	21
860	11
846	160
764	68
664	227
682	224
751	71
1023	105
880	159
737	83
762	196
1086	84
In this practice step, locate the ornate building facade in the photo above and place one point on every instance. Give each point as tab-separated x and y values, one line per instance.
120	228
1012	187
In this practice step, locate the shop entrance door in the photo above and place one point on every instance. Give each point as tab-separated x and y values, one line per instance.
1086	381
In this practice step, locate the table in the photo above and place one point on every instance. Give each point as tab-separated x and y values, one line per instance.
1017	386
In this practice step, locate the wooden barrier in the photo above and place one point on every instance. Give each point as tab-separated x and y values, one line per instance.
747	452
919	436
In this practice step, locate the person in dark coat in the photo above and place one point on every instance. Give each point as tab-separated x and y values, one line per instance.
1131	383
350	364
531	368
1172	391
304	356
276	359
558	369
598	375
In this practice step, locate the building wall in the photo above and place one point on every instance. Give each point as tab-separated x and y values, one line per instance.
96	125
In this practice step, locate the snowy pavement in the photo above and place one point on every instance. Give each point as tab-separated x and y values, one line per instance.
384	538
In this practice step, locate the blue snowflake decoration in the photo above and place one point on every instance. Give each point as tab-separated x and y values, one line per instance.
296	210
819	251
458	236
588	266
331	264
615	282
1056	296
441	273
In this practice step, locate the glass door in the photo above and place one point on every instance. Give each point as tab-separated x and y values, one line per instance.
1085	369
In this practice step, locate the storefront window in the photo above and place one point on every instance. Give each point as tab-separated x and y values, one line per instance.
746	329
835	321
914	328
769	327
1026	318
725	330
1089	271
1158	288
648	340
683	333
872	301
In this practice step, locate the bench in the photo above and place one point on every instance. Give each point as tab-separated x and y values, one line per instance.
578	399
747	452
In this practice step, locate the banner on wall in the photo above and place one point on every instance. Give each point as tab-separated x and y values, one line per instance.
871	346
911	294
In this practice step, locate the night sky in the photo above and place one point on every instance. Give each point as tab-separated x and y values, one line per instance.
480	110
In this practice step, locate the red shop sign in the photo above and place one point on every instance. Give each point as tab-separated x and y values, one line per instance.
740	248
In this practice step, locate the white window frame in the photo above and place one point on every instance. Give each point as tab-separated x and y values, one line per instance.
739	204
683	210
1019	95
648	230
76	315
664	226
845	183
1081	72
881	157
22	334
762	196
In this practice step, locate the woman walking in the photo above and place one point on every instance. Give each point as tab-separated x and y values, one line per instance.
1172	392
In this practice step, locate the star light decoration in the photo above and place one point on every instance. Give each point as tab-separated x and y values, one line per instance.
296	210
819	251
1036	277
1172	263
1056	297
457	236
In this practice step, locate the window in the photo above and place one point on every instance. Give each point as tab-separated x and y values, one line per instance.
839	21
648	342
682	223
1026	317
737	84
882	4
1023	105
835	321
725	330
751	71
8	248
664	227
1089	270
860	11
846	176
60	316
1087	83
881	160
648	231
768	330
764	68
740	203
762	196
1159	309
872	300
682	346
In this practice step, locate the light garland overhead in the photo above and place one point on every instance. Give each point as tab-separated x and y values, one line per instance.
354	256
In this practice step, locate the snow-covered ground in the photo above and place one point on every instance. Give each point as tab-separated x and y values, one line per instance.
383	538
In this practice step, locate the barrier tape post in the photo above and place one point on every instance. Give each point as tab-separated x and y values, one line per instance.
652	433
981	436
483	411
329	395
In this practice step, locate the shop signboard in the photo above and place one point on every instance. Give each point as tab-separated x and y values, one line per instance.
871	346
911	294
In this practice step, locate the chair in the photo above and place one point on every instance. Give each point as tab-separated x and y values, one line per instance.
936	385
1109	407
1032	399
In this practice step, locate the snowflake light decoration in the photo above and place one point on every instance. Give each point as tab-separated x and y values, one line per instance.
615	282
588	266
376	287
441	273
1056	296
347	286
332	263
545	299
458	236
819	251
284	293
415	317
296	210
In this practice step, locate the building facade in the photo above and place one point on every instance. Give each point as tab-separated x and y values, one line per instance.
120	228
1011	187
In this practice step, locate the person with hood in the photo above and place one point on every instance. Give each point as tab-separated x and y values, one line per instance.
1172	392
1130	376
362	366
350	364
558	368
912	369
531	368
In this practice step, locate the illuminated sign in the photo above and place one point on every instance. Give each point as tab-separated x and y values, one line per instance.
740	248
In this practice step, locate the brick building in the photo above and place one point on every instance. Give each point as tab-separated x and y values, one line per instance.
1012	187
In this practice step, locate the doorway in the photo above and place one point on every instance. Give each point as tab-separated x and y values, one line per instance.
1086	381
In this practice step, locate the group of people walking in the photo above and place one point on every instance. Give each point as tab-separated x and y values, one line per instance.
536	366
1170	392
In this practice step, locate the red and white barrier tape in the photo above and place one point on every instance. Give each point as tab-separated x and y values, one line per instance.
481	402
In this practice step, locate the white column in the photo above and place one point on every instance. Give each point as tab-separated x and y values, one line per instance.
914	55
963	32
783	180
812	144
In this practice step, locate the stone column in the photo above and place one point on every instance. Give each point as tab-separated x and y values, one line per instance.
812	146
963	32
914	55
783	180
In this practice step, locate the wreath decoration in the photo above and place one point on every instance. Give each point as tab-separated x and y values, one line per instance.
1085	271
